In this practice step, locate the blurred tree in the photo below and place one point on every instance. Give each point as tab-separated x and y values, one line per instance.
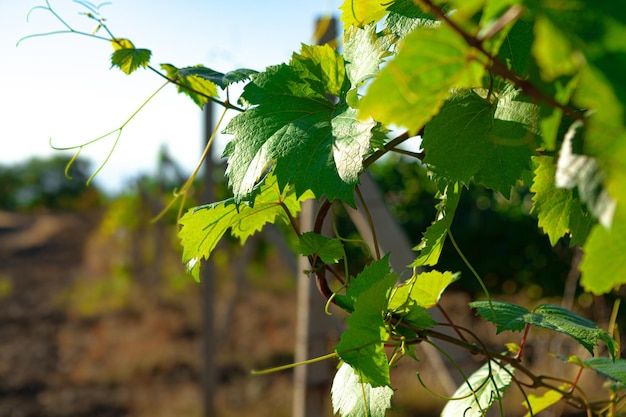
41	183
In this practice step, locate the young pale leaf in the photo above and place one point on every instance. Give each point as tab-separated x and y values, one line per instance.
508	316
361	12
128	58
614	369
473	139
203	227
370	275
218	78
432	242
558	210
352	398
197	88
292	124
362	344
411	88
538	403
425	288
330	250
479	391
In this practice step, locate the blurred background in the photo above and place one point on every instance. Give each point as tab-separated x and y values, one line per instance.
98	317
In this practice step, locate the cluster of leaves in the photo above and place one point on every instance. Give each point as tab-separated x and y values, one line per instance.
502	93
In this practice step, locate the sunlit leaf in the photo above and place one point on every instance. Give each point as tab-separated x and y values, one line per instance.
353	398
475	395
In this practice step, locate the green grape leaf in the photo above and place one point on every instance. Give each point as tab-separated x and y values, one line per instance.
538	403
362	344
584	173
479	391
471	138
292	124
603	265
352	398
217	78
405	16
196	88
363	52
558	210
412	87
128	58
507	316
330	250
553	50
204	226
424	288
432	242
371	274
361	12
614	369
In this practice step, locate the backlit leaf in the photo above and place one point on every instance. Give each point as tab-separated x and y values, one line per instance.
473	139
614	369
413	86
128	58
197	88
203	227
361	12
432	242
330	250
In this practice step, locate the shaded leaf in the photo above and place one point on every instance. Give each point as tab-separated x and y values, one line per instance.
614	369
413	86
330	250
216	77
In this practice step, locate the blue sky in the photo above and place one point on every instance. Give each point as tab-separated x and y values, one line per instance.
62	88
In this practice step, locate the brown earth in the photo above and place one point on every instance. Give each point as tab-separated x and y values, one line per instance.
79	337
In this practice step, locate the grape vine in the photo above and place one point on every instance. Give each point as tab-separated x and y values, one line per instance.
501	93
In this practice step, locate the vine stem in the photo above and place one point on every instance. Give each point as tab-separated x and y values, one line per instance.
370	221
500	68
